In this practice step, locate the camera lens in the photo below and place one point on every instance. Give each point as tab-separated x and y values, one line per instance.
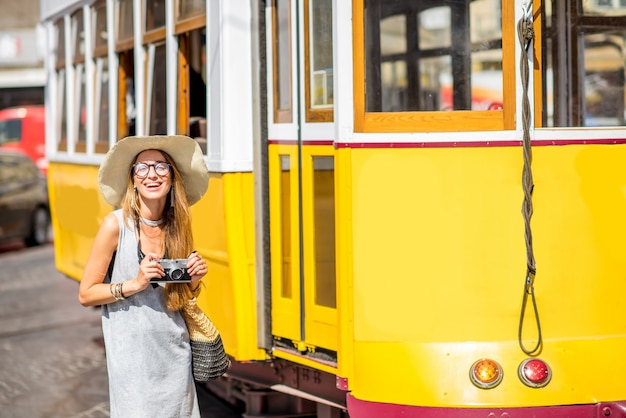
176	274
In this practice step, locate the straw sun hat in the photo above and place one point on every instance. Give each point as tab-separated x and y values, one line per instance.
186	153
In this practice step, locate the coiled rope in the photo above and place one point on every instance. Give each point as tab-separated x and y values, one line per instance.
526	34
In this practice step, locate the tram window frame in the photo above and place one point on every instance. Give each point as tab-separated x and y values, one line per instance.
79	87
101	77
60	71
312	114
282	56
434	121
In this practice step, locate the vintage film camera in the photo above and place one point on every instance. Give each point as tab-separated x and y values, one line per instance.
175	270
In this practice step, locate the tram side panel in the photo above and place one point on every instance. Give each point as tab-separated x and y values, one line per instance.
77	208
439	264
223	228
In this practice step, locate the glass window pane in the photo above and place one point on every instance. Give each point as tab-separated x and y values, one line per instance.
324	221
102	105
583	80
321	50
604	78
285	192
434	56
155	14
127	112
61	122
60	55
125	22
78	34
434	28
10	131
197	73
189	8
81	115
100	26
282	61
605	7
158	113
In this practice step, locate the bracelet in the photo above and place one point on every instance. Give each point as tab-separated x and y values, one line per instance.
116	291
112	292
121	293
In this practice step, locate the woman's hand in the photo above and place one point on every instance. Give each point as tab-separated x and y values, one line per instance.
196	268
148	269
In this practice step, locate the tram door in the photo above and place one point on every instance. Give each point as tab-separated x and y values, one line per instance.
302	185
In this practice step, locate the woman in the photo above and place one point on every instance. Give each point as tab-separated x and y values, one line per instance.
155	180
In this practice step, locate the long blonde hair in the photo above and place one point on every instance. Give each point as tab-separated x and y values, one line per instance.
178	238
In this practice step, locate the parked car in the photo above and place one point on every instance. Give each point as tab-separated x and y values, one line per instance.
24	208
22	129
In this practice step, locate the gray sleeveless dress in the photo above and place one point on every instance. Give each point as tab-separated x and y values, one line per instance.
147	347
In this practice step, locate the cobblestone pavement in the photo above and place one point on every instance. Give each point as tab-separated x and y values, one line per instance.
52	361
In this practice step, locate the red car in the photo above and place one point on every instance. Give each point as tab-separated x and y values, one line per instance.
22	129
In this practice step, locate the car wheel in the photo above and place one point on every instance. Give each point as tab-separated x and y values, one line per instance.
40	228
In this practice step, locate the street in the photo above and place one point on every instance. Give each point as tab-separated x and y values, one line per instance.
52	362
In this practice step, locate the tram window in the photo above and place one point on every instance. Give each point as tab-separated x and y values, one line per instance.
100	28
286	290
78	36
282	61
319	60
436	49
584	48
191	15
430	57
101	121
127	112
60	45
101	116
190	8
79	119
192	97
60	114
324	221
124	24
155	14
157	111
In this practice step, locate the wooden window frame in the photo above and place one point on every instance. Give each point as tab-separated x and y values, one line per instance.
435	121
312	115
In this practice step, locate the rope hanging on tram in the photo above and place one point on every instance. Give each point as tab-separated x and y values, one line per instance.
526	35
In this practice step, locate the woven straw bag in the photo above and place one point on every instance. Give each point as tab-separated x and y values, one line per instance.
208	358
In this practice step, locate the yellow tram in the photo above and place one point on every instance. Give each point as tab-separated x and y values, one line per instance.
415	209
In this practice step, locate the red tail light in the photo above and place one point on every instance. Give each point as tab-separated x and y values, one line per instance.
534	372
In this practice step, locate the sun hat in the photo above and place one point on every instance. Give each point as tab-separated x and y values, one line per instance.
186	153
